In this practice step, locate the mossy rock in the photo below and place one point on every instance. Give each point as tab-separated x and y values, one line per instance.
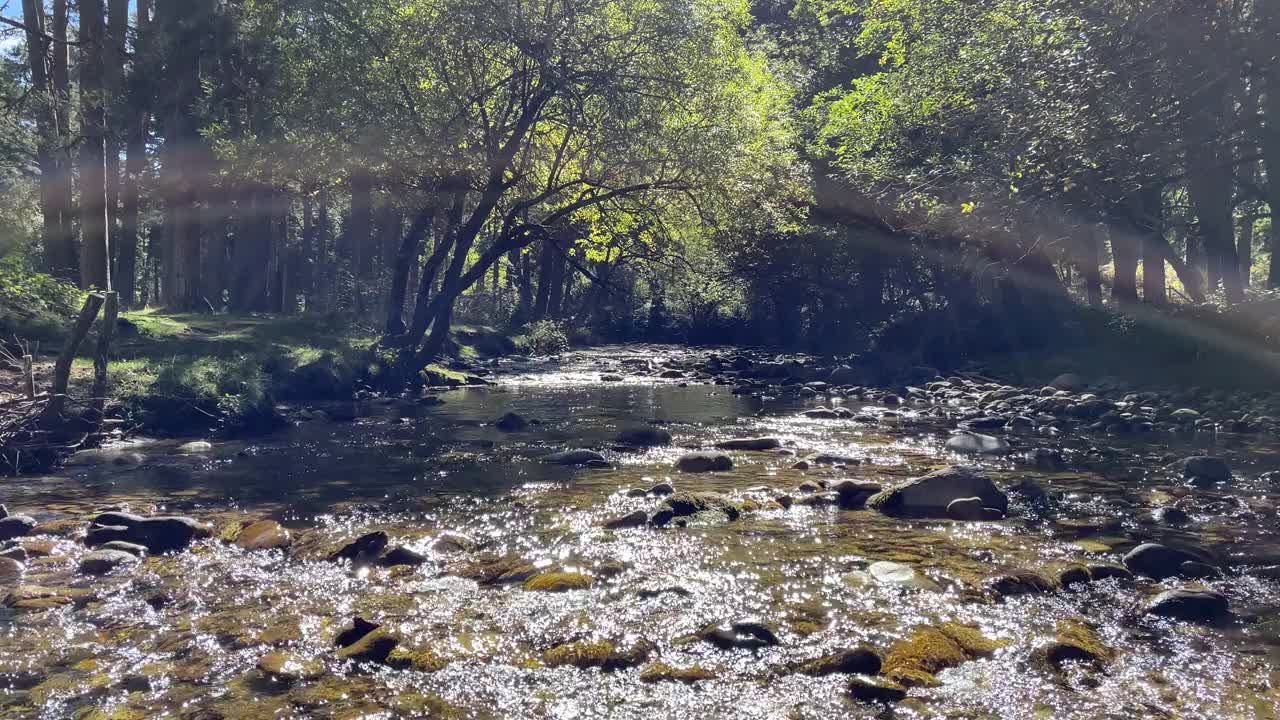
856	661
1075	641
662	672
913	662
602	654
559	582
419	659
495	571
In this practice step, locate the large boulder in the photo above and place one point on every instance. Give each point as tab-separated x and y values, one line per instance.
157	534
929	496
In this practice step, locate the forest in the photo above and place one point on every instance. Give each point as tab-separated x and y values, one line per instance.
796	174
639	359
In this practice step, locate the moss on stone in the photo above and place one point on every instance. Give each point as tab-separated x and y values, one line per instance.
928	650
662	672
558	582
416	658
603	654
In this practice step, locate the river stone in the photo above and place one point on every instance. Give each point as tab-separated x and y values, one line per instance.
740	635
15	526
1205	469
901	575
874	689
452	542
631	520
1184	415
263	535
992	422
373	647
18	553
401	555
102	534
1197	606
101	562
359	628
10	568
1067	381
684	504
574	457
1020	582
977	444
166	534
821	414
700	462
4	511
1157	561
288	668
1106	571
756	443
845	661
645	437
132	548
930	494
511	422
364	548
965	509
662	489
195	447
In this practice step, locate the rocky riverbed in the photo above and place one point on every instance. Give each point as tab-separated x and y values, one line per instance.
657	532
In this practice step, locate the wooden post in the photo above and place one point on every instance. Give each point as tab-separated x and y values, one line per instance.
101	355
62	369
28	376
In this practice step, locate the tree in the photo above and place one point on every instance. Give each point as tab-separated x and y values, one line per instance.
95	266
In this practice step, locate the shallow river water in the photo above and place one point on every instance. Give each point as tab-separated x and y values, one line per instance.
417	471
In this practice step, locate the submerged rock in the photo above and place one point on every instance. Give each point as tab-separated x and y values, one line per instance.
263	535
195	447
574	457
559	581
848	661
1020	583
287	668
1075	642
401	555
10	568
363	549
373	647
930	494
636	519
511	422
971	509
1206	470
739	635
978	444
913	662
700	462
756	443
662	672
645	437
602	654
874	689
1190	605
901	575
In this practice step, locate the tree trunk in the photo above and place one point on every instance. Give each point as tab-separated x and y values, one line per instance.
62	190
1092	239
1124	259
1271	159
546	271
358	236
95	270
115	58
1150	207
422	313
57	253
305	267
406	257
138	108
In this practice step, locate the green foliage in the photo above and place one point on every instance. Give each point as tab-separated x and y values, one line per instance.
34	306
544	337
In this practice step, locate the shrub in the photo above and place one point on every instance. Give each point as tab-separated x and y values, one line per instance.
544	337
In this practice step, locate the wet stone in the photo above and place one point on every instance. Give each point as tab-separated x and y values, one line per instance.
1206	470
10	568
756	444
288	668
855	661
683	504
1157	561
401	555
374	647
930	494
636	519
645	437
14	526
263	535
574	457
662	490
1020	583
1190	605
866	688
363	549
131	548
700	462
511	422
102	562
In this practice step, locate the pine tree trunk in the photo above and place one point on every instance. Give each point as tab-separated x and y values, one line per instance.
1092	238
95	242
1124	258
57	256
63	192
